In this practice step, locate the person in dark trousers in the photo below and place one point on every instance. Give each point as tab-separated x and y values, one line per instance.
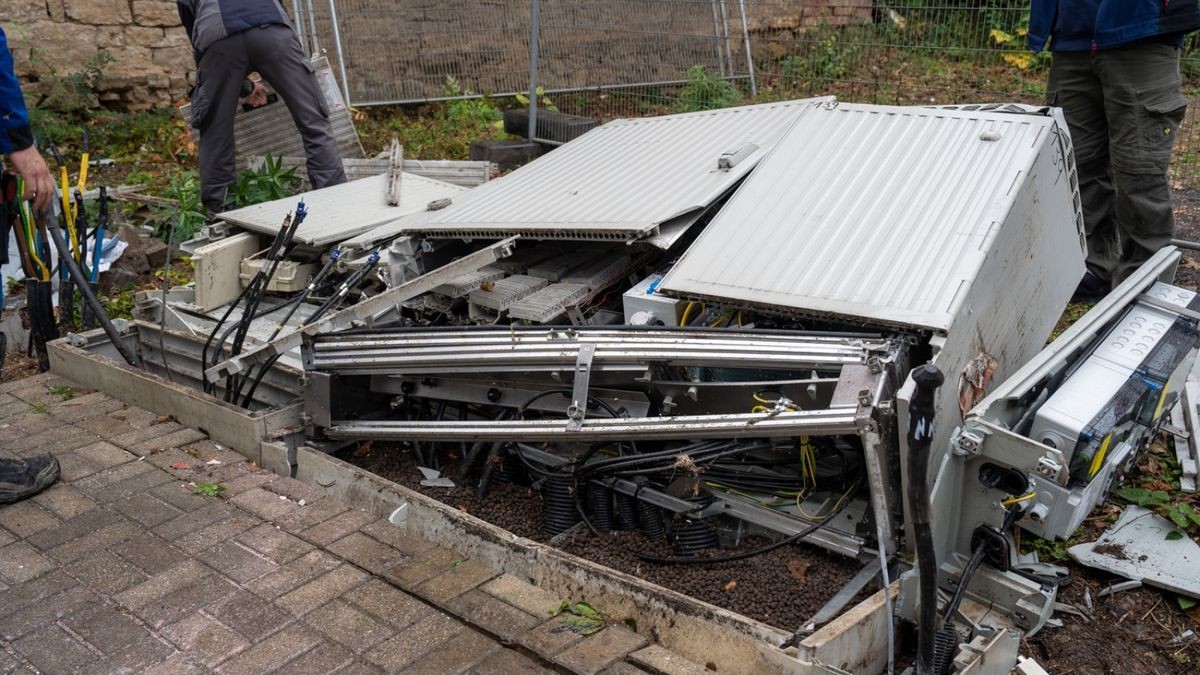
20	479
1114	71
231	39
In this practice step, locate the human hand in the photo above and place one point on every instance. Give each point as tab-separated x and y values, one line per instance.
39	184
258	96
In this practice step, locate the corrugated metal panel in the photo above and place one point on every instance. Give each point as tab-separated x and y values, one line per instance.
621	180
874	213
342	211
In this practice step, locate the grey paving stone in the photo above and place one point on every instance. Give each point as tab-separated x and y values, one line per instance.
80	525
174	439
236	562
508	662
659	659
411	573
522	595
181	576
177	664
326	657
264	504
51	583
223	530
38	615
460	578
388	603
238	479
107	427
273	652
105	454
366	552
293	575
249	615
211	512
181	495
106	573
139	656
321	590
352	628
492	615
20	562
103	539
205	639
593	653
104	627
64	501
337	527
53	650
549	638
99	486
417	640
311	515
26	518
397	537
146	509
142	435
150	553
178	604
73	468
272	542
456	654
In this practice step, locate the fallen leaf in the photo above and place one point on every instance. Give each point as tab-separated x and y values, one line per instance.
181	465
730	586
798	569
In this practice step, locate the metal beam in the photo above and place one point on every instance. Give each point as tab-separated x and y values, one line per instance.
366	311
831	422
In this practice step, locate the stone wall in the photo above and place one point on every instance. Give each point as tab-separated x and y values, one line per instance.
151	56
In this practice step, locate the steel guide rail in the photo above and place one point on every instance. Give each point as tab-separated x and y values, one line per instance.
506	350
830	422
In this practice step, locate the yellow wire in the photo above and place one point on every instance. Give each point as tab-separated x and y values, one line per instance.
68	212
1016	500
687	311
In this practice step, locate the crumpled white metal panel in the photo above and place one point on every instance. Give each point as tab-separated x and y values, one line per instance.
877	214
342	211
621	180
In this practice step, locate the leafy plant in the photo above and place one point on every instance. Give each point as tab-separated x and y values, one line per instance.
544	101
186	214
62	391
584	619
706	91
1012	41
1185	516
827	56
120	304
266	183
39	408
209	489
12	285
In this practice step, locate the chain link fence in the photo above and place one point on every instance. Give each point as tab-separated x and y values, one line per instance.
628	58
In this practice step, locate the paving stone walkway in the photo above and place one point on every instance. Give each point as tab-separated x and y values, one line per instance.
123	567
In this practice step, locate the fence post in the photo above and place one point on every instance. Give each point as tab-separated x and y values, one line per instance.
337	41
749	56
533	68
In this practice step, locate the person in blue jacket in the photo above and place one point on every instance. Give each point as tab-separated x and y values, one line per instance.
16	137
19	478
1115	73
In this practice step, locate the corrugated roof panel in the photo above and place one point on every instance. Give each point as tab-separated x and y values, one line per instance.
621	180
342	211
878	213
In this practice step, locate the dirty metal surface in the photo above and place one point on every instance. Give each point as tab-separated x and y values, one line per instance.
1140	546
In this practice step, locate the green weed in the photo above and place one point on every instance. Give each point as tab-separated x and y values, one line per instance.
62	391
706	91
209	489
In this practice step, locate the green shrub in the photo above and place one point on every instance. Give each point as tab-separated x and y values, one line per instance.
706	91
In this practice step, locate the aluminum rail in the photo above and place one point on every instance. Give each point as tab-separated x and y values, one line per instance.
829	422
523	350
367	310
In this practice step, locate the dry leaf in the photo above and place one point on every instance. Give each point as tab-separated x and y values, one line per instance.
730	586
181	465
798	569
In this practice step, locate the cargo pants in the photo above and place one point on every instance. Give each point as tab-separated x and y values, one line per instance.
274	52
1123	107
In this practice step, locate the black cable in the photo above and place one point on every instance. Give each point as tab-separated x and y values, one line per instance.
681	560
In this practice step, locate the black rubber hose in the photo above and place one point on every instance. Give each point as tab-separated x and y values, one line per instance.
627	514
559	512
600	504
920	436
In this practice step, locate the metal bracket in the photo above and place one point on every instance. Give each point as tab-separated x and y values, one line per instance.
579	396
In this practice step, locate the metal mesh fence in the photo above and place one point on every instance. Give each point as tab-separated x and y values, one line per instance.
625	58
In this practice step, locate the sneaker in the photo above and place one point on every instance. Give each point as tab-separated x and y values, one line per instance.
1091	288
20	479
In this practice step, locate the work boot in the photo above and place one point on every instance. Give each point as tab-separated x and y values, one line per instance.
20	479
1091	288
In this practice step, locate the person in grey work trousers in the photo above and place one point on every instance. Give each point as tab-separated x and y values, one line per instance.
1114	71
231	39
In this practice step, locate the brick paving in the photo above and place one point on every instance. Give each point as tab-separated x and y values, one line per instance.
122	567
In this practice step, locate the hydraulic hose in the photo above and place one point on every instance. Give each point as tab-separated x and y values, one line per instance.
920	436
